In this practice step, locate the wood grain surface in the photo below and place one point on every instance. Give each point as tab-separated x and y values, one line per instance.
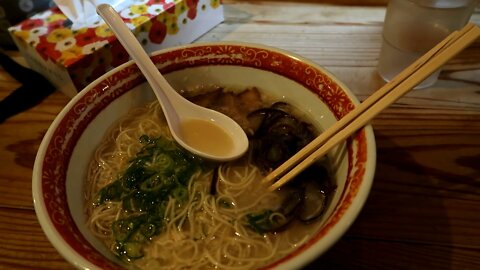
422	212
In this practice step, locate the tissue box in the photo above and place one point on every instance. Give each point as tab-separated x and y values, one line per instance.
72	58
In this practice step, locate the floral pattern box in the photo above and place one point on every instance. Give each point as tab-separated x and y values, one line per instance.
72	58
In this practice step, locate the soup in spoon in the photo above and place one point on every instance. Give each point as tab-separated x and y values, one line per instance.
206	136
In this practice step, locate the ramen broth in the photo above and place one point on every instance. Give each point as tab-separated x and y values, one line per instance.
156	206
206	137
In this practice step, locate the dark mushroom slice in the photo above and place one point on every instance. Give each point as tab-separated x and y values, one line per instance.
277	220
264	118
291	202
315	181
314	201
280	105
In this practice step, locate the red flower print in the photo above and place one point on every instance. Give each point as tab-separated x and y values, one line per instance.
55	25
192	13
169	7
56	10
86	38
47	49
119	54
192	3
158	31
30	24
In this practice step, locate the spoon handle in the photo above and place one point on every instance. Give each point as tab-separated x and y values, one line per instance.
162	89
174	106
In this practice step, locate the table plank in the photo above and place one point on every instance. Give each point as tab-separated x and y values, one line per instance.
24	245
20	137
347	43
360	253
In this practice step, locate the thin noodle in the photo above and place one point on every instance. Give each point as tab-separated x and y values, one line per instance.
202	232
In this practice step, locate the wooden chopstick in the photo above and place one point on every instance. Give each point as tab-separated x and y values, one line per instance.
373	105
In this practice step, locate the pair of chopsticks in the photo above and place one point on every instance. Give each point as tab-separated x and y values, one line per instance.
372	106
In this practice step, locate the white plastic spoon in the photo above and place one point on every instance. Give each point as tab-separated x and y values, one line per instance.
202	131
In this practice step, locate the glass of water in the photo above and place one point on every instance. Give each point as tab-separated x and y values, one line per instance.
412	27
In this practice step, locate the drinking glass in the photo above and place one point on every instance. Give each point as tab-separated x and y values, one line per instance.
412	27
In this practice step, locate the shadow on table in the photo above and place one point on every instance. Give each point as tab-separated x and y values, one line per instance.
403	224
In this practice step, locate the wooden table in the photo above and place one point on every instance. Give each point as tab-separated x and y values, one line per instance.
423	211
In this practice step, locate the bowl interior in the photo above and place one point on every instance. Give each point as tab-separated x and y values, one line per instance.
80	127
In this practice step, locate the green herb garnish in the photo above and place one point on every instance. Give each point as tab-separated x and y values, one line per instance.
160	170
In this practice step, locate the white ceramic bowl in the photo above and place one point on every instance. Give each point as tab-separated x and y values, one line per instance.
63	157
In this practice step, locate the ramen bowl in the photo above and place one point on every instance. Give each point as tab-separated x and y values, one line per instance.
60	169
